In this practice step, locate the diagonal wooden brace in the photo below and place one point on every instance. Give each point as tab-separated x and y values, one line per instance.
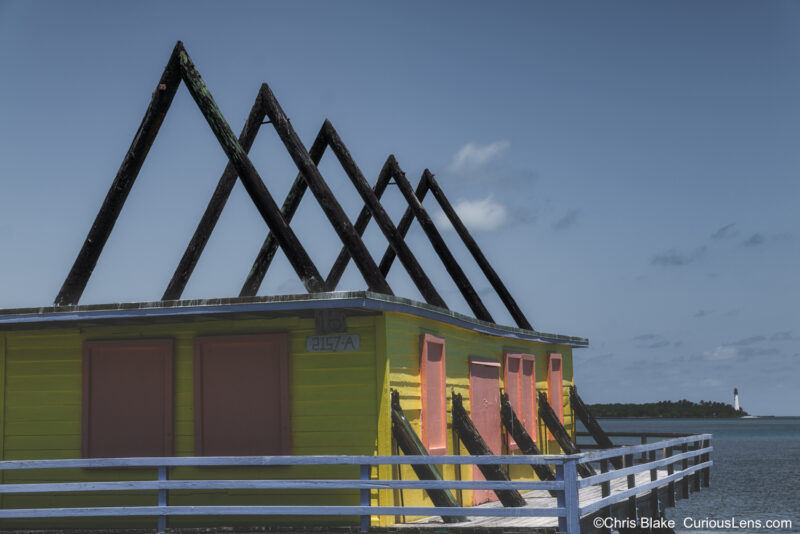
476	446
560	433
410	444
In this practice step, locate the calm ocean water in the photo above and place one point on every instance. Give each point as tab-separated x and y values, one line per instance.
756	472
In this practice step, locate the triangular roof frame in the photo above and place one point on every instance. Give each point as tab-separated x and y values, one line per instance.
180	68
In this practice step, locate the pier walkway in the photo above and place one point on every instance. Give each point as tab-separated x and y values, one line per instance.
568	503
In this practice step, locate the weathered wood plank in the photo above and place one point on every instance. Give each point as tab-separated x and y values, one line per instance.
476	446
247	484
591	424
635	449
524	441
440	247
476	252
290	204
81	270
297	255
327	201
214	209
118	511
405	221
343	259
396	241
410	444
560	433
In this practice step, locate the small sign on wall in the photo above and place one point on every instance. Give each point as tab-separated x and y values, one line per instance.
334	343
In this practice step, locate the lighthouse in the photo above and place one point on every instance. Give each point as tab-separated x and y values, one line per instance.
736	399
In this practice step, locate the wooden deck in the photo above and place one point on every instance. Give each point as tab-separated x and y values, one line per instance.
537	499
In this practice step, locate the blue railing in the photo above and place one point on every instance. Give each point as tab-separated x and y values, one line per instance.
567	485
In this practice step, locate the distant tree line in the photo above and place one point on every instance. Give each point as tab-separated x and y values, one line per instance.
681	408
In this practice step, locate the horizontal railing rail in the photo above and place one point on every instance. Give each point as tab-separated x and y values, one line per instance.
568	508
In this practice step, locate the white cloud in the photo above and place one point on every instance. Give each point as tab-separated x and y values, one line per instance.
721	352
478	215
472	156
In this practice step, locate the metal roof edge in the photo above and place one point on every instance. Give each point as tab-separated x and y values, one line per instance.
348	299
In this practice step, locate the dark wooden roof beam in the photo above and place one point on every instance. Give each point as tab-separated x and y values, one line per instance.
396	241
316	183
210	217
428	226
81	270
296	254
270	246
476	252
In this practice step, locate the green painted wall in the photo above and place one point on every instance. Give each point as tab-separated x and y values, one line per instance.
335	400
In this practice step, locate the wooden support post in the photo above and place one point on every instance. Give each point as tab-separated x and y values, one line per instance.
410	444
250	178
78	276
707	471
605	488
270	246
476	252
396	241
457	468
405	220
526	444
568	499
560	433
327	201
364	496
697	461
340	264
654	507
476	446
591	424
633	509
449	261
670	471
162	499
214	209
685	466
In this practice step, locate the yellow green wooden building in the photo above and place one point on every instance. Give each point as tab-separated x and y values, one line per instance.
339	355
307	374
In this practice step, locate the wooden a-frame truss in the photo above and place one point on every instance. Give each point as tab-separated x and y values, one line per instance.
180	68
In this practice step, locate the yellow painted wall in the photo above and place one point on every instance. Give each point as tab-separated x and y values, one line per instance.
339	405
403	345
338	401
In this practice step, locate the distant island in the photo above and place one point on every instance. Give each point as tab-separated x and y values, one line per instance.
681	408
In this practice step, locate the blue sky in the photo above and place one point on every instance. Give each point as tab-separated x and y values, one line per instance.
631	169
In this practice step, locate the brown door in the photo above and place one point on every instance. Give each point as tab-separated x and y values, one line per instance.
127	398
242	395
484	395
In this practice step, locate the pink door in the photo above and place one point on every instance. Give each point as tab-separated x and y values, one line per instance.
484	394
555	390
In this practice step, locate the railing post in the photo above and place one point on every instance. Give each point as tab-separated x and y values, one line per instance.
654	492
606	491
568	497
633	512
697	459
685	466
364	500
707	470
162	499
671	487
644	442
